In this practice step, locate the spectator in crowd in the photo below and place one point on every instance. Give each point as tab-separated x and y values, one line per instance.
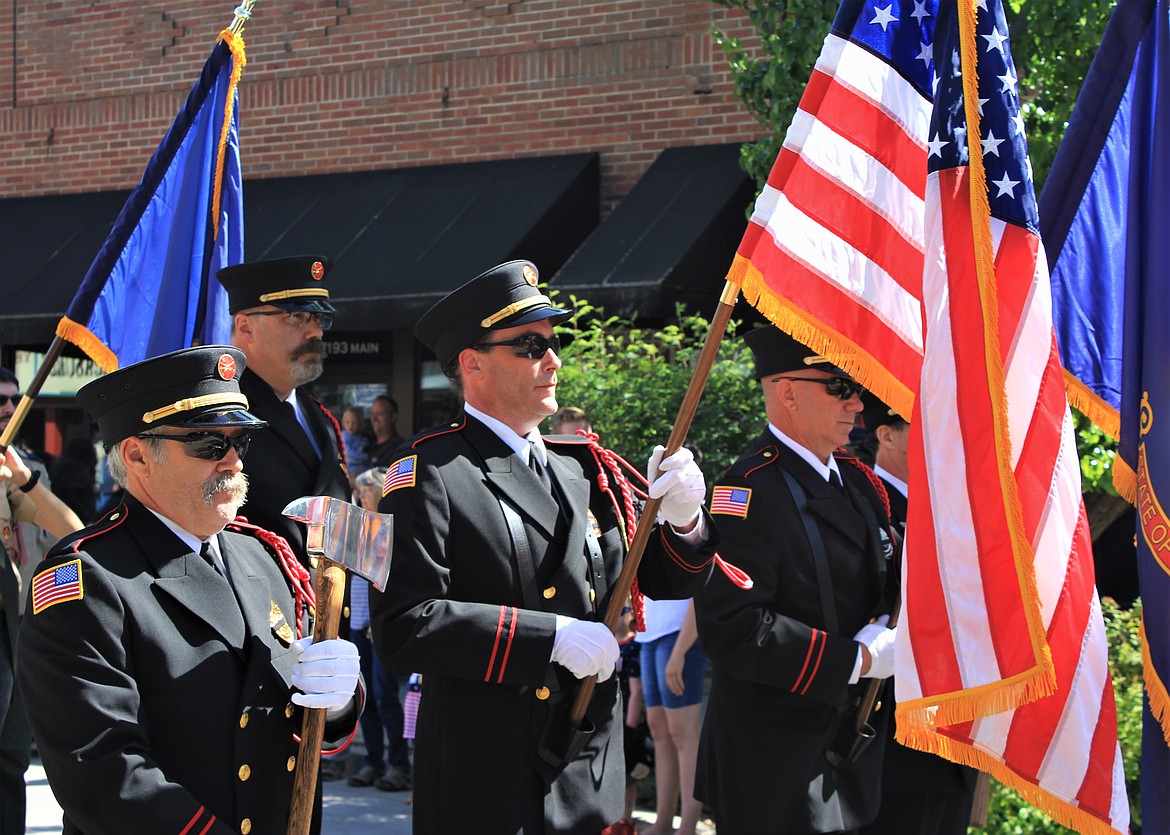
777	751
354	440
487	598
568	419
673	669
384	423
31	518
387	760
167	602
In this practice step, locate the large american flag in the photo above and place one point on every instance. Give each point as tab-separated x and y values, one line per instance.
910	256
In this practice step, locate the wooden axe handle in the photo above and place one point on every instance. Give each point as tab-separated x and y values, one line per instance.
330	595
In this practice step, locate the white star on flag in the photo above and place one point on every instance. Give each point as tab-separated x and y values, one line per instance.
991	145
884	17
1006	186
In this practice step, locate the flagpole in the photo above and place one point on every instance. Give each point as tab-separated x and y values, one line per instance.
682	425
241	15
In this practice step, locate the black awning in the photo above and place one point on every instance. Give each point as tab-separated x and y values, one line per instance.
671	239
399	239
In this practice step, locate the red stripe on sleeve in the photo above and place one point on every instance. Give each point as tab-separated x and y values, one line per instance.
812	642
191	822
492	661
508	647
820	654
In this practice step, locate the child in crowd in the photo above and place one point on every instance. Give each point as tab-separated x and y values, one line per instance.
353	424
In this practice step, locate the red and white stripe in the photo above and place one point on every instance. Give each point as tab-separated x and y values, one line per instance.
966	593
851	242
838	229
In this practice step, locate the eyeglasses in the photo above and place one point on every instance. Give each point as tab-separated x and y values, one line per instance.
530	345
839	387
299	318
14	399
208	446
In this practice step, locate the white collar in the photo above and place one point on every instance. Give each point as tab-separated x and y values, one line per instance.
191	540
897	483
823	469
519	444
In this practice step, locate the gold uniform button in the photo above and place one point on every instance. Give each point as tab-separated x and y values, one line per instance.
245	826
592	595
288	710
244	719
345	612
245	772
550	592
291	764
542	693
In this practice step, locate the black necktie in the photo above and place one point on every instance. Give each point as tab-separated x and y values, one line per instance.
205	552
539	471
834	479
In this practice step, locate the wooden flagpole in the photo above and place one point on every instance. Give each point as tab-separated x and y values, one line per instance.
682	425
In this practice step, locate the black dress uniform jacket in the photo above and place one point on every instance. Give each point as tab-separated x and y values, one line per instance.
461	609
281	464
780	680
160	698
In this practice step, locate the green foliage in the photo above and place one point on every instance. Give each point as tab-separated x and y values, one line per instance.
1096	451
770	82
1009	814
631	380
1053	43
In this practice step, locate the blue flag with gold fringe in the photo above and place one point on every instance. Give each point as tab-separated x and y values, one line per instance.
152	289
1102	215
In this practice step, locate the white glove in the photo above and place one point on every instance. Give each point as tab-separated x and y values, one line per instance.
585	648
678	482
880	642
326	673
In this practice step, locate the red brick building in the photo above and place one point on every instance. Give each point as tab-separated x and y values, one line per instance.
351	100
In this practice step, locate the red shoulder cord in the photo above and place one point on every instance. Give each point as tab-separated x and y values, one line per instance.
336	432
298	576
609	468
878	487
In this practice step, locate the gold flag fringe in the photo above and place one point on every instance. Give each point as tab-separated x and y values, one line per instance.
829	343
1124	480
984	700
83	338
1091	405
1063	811
1155	687
984	252
236	45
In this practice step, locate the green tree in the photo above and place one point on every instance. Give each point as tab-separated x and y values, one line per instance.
631	380
1053	43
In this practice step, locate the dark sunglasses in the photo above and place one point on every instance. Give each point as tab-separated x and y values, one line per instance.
530	345
209	446
14	399
840	387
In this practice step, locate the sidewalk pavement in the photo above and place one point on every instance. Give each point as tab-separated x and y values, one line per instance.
347	810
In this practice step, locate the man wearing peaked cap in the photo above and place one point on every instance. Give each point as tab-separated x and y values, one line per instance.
280	311
162	656
506	550
790	656
922	794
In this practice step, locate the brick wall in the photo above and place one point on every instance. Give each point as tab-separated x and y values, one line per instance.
88	88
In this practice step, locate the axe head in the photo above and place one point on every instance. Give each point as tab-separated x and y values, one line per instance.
349	535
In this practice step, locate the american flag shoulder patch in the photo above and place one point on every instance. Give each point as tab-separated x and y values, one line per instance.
57	585
731	501
400	474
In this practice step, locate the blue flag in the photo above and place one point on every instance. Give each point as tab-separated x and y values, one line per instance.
152	287
1103	213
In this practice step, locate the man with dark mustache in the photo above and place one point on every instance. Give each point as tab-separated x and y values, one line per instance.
164	651
280	311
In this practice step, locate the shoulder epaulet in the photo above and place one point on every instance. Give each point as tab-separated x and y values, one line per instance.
438	431
753	461
74	543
